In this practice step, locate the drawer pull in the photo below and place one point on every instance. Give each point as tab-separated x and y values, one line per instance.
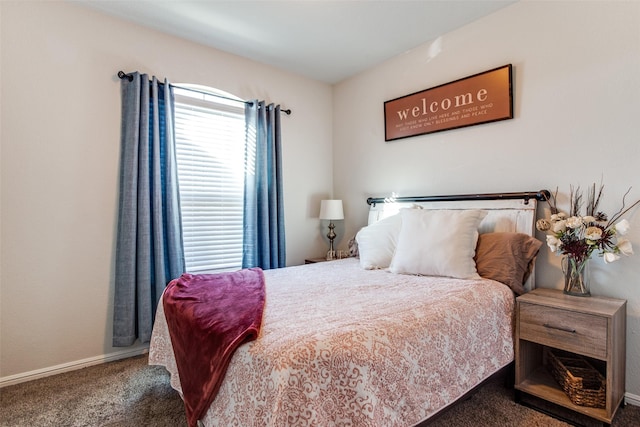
560	328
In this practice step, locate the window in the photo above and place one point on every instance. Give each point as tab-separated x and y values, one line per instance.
210	151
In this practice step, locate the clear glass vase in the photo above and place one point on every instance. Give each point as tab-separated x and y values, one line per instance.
576	276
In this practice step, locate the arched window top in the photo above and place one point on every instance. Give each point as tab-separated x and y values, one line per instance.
208	94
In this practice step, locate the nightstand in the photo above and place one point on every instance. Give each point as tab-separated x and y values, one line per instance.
594	327
314	260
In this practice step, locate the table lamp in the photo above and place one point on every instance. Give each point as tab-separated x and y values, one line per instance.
331	210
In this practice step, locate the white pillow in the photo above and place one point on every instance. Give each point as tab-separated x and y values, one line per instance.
377	242
438	243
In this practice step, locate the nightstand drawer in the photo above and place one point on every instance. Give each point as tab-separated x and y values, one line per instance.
572	331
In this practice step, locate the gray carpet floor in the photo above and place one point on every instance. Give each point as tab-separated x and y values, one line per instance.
131	393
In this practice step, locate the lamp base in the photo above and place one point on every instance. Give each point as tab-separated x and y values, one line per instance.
331	235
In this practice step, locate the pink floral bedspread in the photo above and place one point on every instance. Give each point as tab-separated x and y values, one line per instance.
343	346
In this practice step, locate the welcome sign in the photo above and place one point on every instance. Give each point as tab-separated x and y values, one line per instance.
481	98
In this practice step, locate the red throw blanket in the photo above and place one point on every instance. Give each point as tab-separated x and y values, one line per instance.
209	316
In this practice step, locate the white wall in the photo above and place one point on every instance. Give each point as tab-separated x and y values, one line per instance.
577	103
60	151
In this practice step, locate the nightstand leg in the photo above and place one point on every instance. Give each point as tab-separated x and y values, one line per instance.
510	376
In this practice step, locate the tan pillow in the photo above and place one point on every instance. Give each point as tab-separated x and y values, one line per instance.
507	258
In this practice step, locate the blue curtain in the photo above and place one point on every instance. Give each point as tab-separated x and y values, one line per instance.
149	250
264	240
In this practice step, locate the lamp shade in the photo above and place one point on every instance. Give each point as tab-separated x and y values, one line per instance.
331	209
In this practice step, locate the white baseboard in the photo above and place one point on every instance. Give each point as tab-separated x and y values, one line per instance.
631	399
71	366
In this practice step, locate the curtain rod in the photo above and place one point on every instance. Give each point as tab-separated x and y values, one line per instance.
123	75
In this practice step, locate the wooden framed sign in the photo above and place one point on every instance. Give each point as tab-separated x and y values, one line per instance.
481	98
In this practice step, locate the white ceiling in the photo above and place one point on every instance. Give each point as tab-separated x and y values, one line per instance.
324	40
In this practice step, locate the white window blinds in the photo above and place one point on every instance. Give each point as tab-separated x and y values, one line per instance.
210	150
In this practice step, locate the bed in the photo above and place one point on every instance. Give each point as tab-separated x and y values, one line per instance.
378	340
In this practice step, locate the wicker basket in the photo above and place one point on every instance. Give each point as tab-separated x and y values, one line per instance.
584	385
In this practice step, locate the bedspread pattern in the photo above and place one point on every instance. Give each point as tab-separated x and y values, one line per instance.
344	346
